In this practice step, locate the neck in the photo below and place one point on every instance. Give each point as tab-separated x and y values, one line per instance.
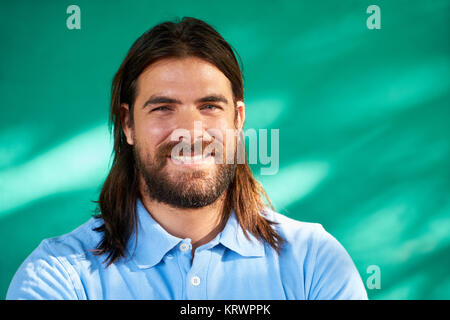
201	225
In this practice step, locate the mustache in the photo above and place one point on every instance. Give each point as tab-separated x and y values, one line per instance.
198	146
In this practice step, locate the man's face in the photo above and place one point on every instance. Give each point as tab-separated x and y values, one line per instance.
174	97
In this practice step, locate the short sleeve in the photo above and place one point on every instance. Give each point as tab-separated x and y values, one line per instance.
335	276
42	276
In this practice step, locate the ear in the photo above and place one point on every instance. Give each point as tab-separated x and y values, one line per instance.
240	119
125	121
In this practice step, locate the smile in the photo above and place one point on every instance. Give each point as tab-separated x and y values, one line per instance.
192	160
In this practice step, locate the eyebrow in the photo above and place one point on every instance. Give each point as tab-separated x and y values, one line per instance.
157	99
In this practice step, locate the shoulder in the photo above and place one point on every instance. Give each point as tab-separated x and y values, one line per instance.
50	271
328	270
78	242
297	232
310	240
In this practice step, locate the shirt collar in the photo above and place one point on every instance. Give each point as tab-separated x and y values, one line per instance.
233	237
153	242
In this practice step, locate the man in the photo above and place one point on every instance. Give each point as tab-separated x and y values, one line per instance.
177	219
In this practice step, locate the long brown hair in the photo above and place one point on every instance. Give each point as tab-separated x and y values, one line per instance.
118	196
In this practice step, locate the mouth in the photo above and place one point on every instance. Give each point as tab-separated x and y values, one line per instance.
192	160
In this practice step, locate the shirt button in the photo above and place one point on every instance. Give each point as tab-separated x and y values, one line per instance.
195	281
184	247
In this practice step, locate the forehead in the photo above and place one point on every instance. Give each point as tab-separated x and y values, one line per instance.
186	78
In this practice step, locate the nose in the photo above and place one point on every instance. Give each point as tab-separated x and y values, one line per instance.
189	126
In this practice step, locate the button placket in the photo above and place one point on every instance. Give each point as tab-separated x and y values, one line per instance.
196	277
184	258
195	281
184	247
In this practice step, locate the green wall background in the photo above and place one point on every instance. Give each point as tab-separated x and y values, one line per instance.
363	118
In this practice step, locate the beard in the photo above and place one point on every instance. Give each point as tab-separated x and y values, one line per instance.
193	188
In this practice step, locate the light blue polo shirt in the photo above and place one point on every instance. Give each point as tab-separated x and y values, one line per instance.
312	265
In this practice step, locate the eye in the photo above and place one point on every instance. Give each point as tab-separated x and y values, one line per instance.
210	107
162	108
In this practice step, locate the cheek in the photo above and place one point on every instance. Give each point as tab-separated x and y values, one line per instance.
148	138
225	135
151	133
222	124
227	127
